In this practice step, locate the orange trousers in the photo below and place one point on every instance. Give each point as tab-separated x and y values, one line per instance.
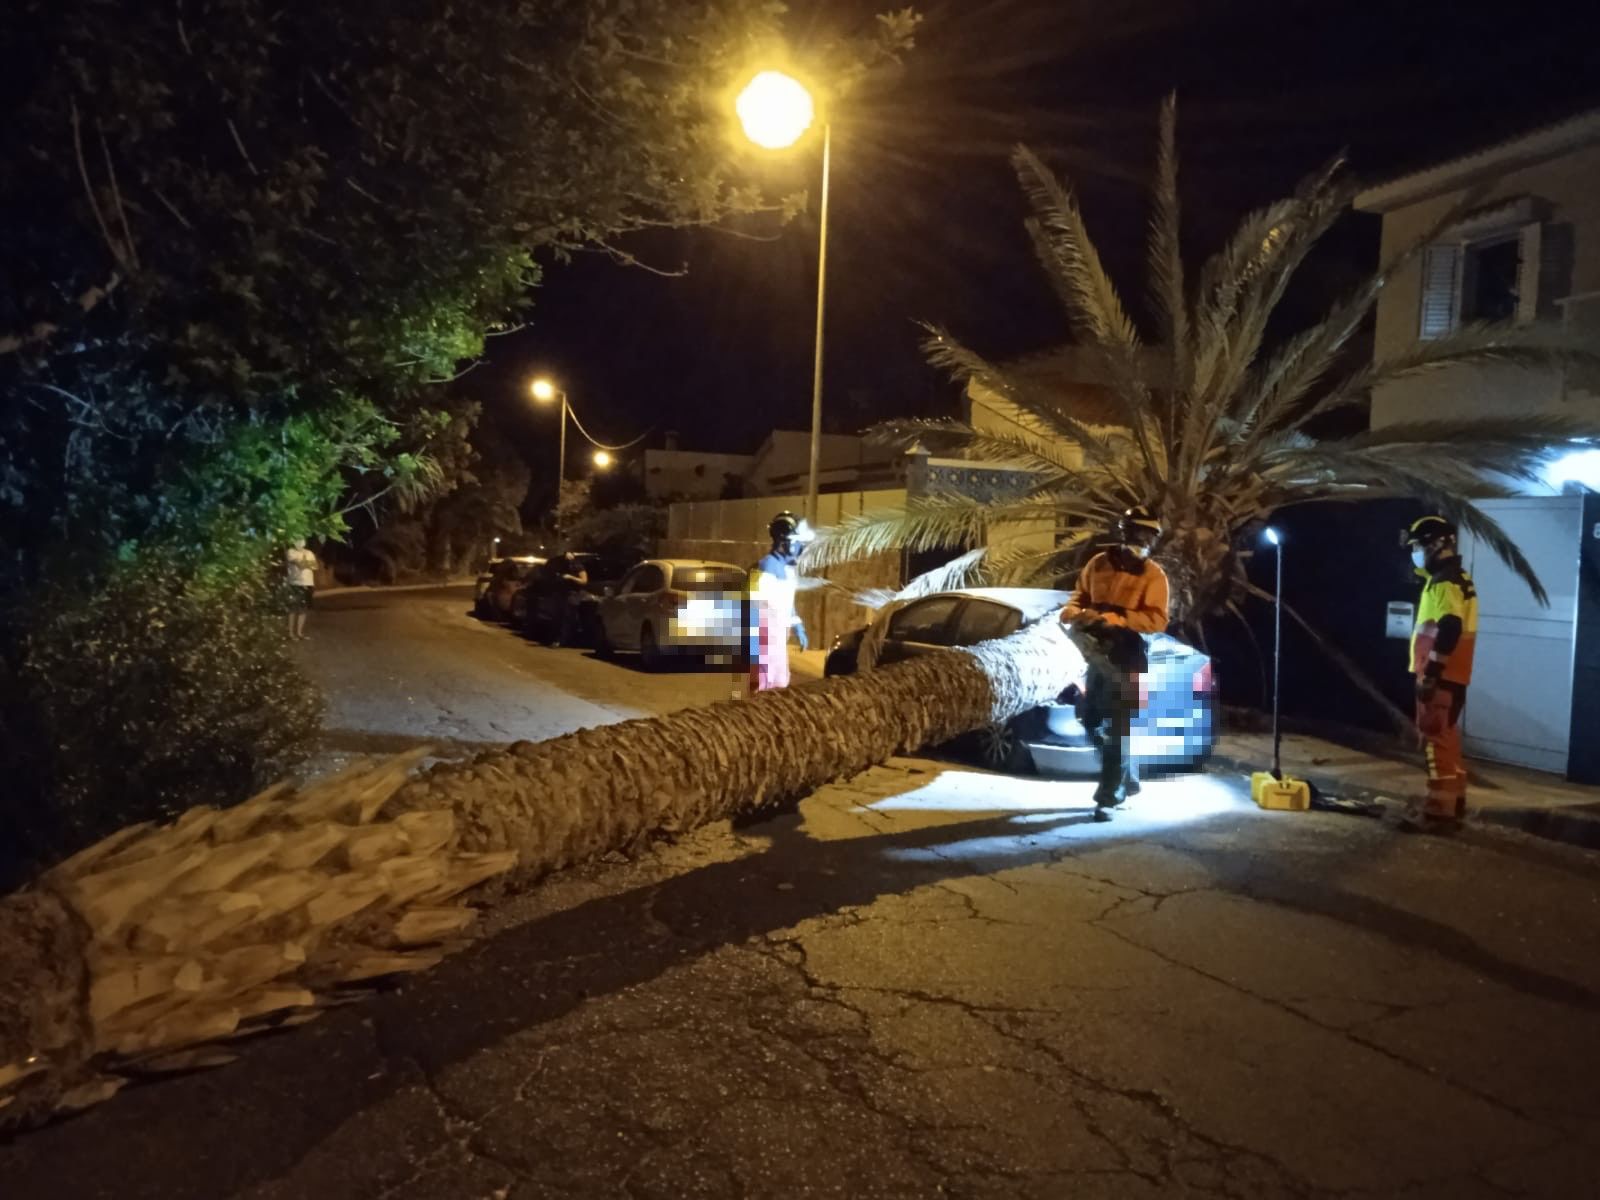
1439	722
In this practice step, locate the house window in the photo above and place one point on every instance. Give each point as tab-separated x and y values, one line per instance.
1491	279
1502	265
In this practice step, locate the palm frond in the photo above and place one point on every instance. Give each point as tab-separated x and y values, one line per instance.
1093	305
1535	347
1071	257
1446	486
1167	292
926	523
963	365
1401	721
1534	433
1297	368
1039	455
963	571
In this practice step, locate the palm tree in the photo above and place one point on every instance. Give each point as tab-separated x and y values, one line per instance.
1213	425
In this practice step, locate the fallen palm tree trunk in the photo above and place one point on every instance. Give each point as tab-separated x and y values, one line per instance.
147	950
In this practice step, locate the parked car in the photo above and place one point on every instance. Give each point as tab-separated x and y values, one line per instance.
537	608
674	608
1174	727
506	576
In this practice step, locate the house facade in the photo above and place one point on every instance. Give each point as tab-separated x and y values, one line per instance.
1524	247
780	466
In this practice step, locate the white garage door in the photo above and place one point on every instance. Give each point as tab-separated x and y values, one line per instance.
1519	709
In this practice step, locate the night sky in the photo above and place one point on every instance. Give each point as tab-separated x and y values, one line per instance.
926	217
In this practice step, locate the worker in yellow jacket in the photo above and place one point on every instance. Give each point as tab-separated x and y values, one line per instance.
1121	596
1442	648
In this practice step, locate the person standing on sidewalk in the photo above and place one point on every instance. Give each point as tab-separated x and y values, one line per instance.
773	584
1442	647
1121	596
301	567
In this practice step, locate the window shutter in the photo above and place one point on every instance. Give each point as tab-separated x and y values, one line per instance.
1529	260
1555	266
1441	294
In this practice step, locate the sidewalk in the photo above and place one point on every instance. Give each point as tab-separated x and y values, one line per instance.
1532	802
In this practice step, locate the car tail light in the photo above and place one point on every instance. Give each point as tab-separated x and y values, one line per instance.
1204	684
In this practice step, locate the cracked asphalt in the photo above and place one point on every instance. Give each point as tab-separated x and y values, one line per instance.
927	981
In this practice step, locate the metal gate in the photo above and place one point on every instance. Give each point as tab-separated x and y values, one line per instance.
1519	709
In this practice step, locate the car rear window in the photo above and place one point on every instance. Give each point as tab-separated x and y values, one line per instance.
924	621
707	579
982	620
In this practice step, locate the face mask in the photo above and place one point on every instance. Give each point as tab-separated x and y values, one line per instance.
1419	558
1139	551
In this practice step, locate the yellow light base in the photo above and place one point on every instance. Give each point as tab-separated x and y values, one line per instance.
1282	795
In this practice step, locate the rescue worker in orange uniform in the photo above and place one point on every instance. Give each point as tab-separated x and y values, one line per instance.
1442	647
1121	595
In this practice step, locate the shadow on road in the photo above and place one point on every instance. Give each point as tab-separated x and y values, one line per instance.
219	1133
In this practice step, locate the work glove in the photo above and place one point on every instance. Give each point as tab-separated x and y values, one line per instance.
800	636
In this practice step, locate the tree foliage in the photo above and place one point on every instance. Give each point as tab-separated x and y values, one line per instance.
247	245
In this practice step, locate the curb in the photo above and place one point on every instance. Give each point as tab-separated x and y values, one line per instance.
1565	824
346	589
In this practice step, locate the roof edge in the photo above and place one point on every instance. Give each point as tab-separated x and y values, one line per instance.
1537	145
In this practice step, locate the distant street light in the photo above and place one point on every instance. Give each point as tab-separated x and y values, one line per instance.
775	110
602	459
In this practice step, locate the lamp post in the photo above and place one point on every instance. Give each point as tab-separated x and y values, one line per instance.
1275	540
544	391
775	110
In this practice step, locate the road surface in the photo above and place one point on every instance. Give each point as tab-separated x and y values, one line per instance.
927	982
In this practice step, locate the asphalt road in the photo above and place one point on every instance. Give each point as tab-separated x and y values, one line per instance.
928	981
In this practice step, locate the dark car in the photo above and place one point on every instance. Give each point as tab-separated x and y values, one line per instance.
1175	725
506	577
538	609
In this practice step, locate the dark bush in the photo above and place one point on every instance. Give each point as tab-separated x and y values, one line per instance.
137	696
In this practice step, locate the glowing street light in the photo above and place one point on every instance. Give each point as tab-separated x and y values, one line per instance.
603	459
775	110
544	391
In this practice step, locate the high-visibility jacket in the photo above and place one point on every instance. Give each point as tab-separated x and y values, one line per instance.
1137	600
1446	633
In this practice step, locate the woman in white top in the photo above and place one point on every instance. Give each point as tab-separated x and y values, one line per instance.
302	569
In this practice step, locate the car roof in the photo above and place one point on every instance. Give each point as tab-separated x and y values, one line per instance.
1032	603
695	562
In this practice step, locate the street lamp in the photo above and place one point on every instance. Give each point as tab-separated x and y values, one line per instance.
602	459
544	391
775	110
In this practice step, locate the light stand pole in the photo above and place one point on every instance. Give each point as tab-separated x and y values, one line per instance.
775	110
1272	789
1276	539
545	391
822	292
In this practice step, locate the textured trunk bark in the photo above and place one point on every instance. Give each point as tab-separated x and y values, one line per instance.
567	799
144	950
